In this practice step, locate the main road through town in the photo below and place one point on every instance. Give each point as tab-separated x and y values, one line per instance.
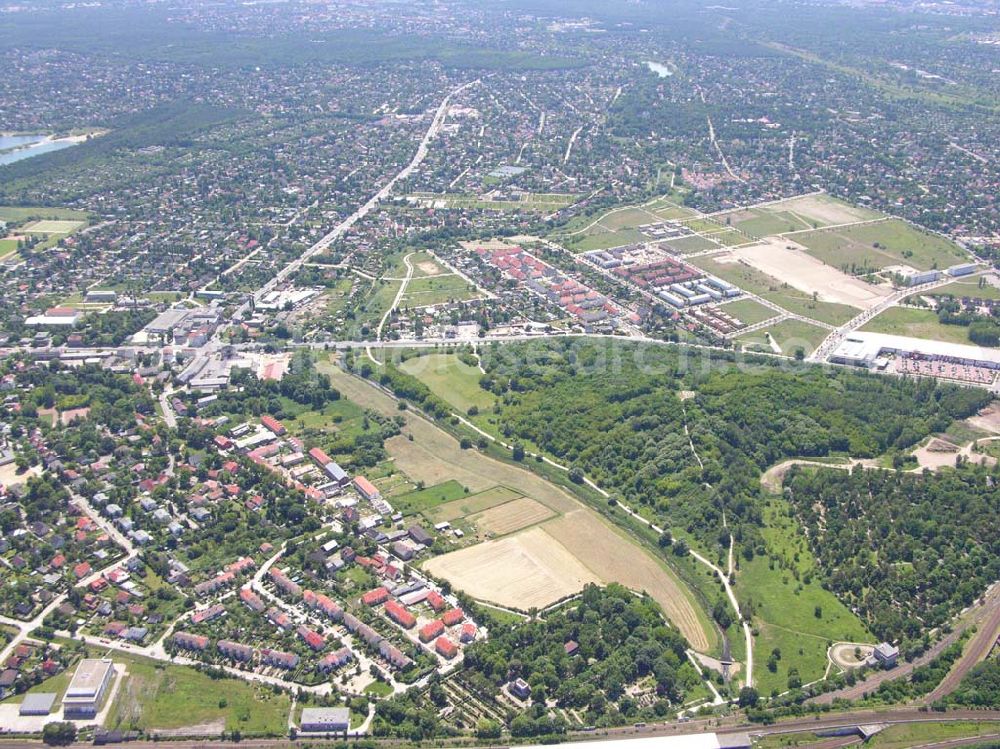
340	229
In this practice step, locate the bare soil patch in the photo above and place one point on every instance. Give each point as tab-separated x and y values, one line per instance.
801	270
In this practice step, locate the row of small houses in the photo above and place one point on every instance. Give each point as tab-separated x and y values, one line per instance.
268	656
225	578
434	630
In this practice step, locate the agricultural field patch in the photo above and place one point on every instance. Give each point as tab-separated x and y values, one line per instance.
523	571
475	503
511	516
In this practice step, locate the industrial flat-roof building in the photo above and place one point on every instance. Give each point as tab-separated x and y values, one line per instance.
39	703
325	719
863	349
89	685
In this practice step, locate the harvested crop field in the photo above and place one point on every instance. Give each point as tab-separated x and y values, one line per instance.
803	271
470	505
614	558
511	516
528	570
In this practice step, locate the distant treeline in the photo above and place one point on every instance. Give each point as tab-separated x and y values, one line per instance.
149	35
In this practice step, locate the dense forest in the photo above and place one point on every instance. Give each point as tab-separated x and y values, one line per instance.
617	415
981	688
622	639
905	550
629	664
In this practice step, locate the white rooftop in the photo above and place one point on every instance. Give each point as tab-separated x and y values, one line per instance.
868	345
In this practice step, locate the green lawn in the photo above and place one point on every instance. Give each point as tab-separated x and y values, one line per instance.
602	240
905	736
422	292
155	695
789	334
450	379
970	288
785	601
379	689
898	243
425	499
917	323
376	304
687	245
629	218
7	246
748	311
18	213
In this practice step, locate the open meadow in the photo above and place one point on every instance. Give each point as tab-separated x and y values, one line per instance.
450	379
873	246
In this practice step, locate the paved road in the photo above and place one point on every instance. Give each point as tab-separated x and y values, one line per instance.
435	127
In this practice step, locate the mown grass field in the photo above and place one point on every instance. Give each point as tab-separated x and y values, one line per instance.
898	242
917	323
748	311
426	499
969	288
18	213
422	292
602	240
451	379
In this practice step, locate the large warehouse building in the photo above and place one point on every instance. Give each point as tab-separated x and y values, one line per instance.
89	685
325	719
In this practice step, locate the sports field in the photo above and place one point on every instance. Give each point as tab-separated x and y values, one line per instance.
450	379
52	226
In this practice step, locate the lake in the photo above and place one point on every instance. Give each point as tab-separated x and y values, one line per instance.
28	146
661	70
